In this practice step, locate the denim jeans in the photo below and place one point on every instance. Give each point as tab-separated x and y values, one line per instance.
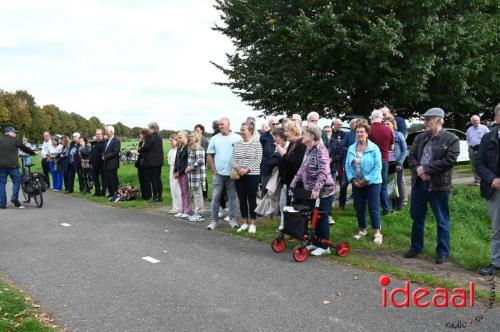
494	208
16	181
368	195
323	223
420	196
343	192
384	196
220	182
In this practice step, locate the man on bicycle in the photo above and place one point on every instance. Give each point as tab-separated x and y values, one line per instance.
9	165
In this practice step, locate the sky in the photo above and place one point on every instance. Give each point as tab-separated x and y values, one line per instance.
129	61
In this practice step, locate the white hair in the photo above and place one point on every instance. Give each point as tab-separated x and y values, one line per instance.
76	134
377	116
296	117
312	114
110	128
497	110
271	120
473	117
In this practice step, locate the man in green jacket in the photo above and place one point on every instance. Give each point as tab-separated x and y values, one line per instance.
9	165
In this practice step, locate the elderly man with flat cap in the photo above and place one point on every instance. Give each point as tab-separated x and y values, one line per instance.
431	160
9	165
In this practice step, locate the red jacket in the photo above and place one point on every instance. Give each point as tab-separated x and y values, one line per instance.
382	135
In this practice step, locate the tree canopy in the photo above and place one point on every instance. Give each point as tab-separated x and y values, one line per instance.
351	56
20	111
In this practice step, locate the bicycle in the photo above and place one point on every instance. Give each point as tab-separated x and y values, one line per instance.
32	185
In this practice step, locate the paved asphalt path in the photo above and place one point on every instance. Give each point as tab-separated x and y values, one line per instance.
92	277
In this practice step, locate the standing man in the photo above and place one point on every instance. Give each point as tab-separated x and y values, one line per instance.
382	136
487	165
152	152
111	158
96	152
431	160
26	156
337	153
474	135
349	139
220	152
71	168
9	165
297	119
400	122
45	154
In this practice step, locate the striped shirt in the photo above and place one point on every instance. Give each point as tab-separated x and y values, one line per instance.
247	155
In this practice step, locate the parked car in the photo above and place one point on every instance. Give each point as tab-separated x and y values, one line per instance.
464	148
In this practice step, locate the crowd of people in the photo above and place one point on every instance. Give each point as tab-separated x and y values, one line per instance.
285	154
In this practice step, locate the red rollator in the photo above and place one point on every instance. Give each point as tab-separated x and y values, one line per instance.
296	224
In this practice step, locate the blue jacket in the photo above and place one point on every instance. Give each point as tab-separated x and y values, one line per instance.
371	163
400	147
349	139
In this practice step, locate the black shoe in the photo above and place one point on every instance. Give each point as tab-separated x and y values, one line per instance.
160	199
96	194
487	271
411	254
16	203
441	259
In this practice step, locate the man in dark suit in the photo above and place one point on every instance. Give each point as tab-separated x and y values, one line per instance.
152	151
111	158
97	163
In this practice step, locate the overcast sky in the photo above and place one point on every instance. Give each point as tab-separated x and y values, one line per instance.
130	61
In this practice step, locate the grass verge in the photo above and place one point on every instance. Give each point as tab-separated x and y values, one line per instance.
19	314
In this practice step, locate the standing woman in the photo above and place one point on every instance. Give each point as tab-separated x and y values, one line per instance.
55	168
152	160
197	175
291	159
363	167
139	164
397	156
315	175
181	163
246	159
175	189
63	161
82	163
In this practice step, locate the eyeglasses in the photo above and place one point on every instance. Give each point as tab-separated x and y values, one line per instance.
274	124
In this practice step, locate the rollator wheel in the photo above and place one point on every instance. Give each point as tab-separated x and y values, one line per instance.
278	245
300	253
343	249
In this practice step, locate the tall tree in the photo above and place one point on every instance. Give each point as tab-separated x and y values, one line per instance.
349	56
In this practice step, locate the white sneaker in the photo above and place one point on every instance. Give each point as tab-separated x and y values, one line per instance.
184	216
311	247
226	219
331	221
223	212
242	228
252	229
212	226
196	218
281	227
173	211
233	223
178	215
320	251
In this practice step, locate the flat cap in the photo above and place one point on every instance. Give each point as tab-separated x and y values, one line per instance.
434	112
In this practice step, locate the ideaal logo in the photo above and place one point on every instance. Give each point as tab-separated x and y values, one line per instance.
423	297
439	298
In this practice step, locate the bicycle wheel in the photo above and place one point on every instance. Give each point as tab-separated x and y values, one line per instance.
25	195
37	194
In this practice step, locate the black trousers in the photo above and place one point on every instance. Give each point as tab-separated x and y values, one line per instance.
112	180
154	177
144	183
69	177
99	179
246	187
46	170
